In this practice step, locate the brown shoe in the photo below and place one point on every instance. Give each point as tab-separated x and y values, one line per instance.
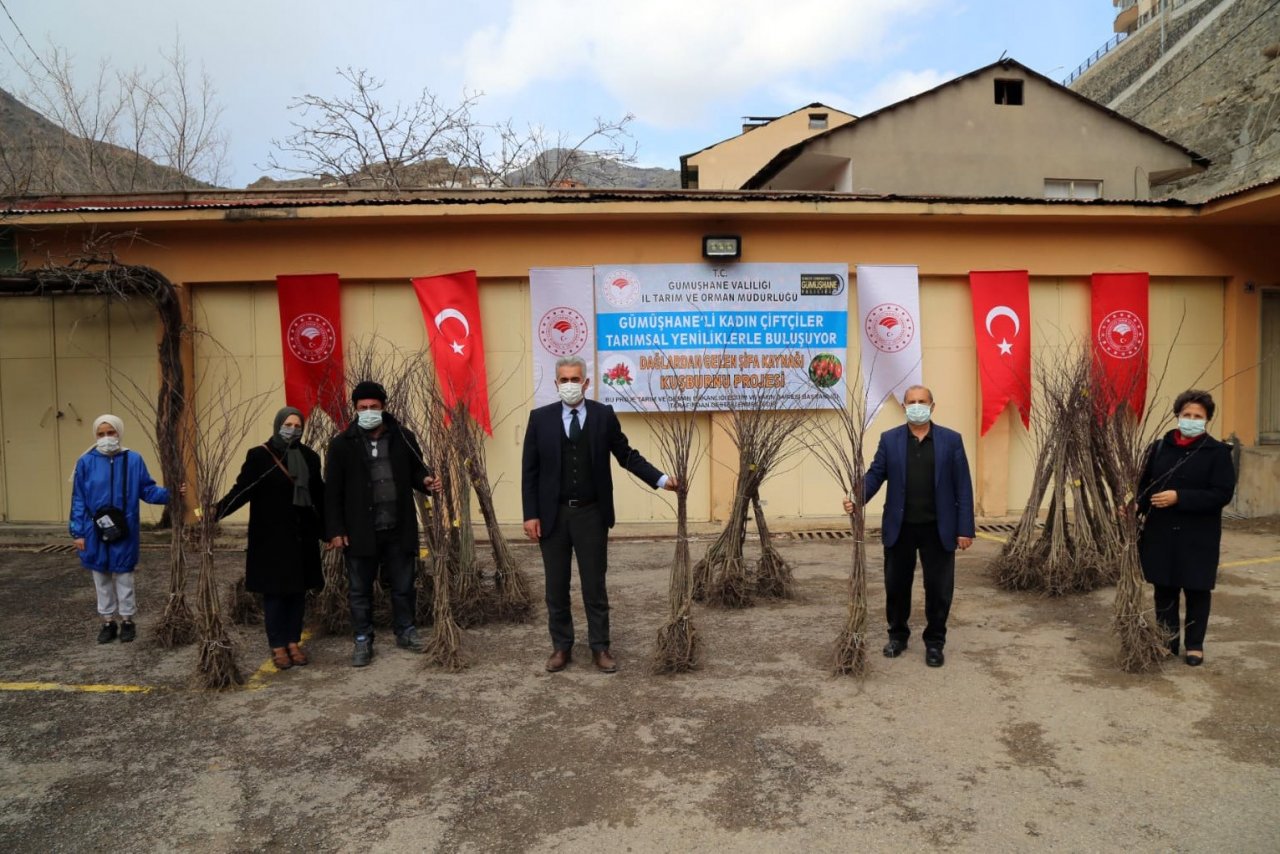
280	658
297	656
604	661
559	660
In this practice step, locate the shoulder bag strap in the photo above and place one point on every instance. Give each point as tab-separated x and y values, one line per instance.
276	460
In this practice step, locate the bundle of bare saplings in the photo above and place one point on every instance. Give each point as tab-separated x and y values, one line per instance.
762	427
1076	547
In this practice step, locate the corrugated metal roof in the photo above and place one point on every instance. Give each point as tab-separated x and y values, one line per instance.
135	203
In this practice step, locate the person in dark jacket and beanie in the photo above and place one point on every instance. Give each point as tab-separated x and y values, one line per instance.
1187	480
372	470
280	481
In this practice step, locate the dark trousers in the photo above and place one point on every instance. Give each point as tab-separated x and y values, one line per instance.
939	582
397	573
1197	615
282	612
578	531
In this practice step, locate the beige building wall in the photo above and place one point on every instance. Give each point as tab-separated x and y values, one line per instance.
990	149
728	164
228	268
244	320
63	362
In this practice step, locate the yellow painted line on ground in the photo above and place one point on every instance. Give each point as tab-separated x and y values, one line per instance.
87	689
983	535
1253	561
258	680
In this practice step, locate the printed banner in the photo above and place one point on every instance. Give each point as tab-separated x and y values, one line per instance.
1002	331
1120	340
889	322
311	343
451	310
741	335
563	324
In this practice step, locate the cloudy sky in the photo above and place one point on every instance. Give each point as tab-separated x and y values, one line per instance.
687	69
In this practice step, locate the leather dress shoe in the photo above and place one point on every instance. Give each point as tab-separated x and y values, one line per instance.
933	656
604	661
1194	660
559	660
894	648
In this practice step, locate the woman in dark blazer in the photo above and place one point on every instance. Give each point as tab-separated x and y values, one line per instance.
280	481
1187	480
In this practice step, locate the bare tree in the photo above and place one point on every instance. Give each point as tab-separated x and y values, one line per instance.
115	130
357	138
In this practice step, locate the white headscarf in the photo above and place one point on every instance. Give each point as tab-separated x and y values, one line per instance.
115	422
108	419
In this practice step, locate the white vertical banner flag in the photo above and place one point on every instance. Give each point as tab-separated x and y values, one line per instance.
564	324
889	314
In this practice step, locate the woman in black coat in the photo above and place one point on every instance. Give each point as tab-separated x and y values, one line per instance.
280	481
1187	480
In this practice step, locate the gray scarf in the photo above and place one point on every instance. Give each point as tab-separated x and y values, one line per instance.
293	459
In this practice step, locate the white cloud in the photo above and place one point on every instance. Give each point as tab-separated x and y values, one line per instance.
669	60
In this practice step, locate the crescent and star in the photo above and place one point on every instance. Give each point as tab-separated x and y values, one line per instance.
461	318
1004	311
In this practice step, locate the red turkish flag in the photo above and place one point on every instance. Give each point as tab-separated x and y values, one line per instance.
451	309
1002	331
1121	340
311	343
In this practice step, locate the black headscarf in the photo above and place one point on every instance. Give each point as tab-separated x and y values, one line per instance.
294	461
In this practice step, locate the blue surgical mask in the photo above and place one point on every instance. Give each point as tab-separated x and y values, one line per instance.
1191	427
369	419
289	434
918	413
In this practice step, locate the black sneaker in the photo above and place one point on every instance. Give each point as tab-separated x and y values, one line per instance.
408	639
128	631
108	632
362	654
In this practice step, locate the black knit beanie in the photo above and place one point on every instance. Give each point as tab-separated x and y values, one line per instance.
368	390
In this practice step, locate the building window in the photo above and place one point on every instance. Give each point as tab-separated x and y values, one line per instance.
1009	93
1072	188
817	121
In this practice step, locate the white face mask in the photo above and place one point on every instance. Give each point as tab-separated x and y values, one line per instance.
369	419
108	445
570	393
918	413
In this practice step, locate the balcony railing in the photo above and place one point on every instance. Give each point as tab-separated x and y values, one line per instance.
1097	54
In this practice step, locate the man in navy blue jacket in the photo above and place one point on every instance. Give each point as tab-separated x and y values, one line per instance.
928	511
567	490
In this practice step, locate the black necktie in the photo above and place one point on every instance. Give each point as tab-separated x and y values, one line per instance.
575	427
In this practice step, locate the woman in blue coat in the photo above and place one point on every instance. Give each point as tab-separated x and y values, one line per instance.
109	482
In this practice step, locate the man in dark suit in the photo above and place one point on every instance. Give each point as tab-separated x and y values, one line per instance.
567	490
928	511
